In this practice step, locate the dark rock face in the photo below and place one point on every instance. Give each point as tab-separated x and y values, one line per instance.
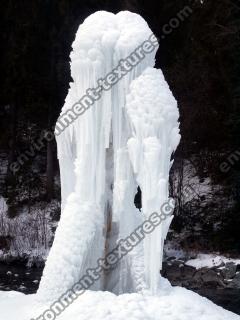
230	270
220	284
212	278
5	243
235	283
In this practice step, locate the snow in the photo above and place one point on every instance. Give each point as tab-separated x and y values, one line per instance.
173	303
210	260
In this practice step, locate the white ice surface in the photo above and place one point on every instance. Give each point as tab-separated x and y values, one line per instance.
174	303
98	177
153	117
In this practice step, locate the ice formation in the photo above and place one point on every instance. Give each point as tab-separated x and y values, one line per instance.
123	141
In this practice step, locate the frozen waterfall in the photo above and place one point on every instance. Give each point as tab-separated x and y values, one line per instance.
125	139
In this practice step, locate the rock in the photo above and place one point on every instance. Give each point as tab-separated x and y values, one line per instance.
197	281
222	264
235	283
198	275
212	278
188	272
229	271
172	272
171	258
180	274
192	256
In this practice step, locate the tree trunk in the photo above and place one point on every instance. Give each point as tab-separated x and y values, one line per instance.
12	143
50	171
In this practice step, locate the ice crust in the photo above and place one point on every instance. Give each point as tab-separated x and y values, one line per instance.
123	141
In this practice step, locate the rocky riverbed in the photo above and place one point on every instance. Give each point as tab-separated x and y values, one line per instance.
221	283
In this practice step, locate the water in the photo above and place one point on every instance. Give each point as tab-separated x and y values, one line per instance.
227	298
17	277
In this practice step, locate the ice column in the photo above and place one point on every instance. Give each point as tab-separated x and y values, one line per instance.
123	140
153	116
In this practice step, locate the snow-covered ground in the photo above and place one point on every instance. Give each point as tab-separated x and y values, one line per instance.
174	303
199	260
209	261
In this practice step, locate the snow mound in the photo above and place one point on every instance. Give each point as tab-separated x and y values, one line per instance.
173	304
